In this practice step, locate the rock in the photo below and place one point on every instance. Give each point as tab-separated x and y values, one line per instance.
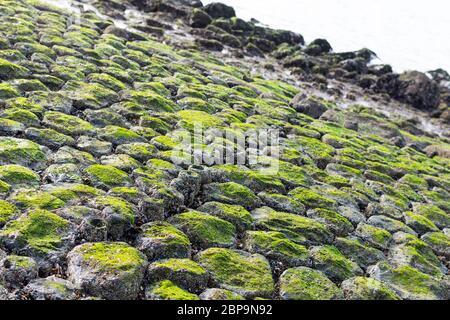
183	272
337	223
361	288
356	251
219	10
50	288
299	229
409	283
160	240
333	263
310	106
17	271
220	294
439	242
377	237
307	284
231	193
246	274
199	19
39	232
417	254
276	247
418	90
234	214
205	230
107	270
167	290
22	152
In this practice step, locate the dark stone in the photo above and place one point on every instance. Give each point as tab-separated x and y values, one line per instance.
199	19
220	10
418	90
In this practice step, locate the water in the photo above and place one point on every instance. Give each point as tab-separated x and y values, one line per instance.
408	34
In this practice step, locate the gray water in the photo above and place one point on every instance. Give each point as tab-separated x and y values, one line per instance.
408	34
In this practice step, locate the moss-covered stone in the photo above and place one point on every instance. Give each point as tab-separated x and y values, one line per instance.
105	176
361	288
183	272
419	223
234	214
67	124
49	137
409	283
238	271
333	263
337	223
16	175
231	193
160	240
107	270
417	254
375	236
7	211
276	247
220	294
22	152
312	199
205	230
297	228
307	284
35	199
167	290
39	231
439	242
9	70
118	135
355	250
433	213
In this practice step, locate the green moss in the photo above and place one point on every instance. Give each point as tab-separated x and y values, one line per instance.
312	199
336	222
118	135
119	206
297	228
204	229
40	230
411	283
185	265
234	214
362	288
33	199
167	290
333	263
21	262
166	233
246	274
67	124
231	193
419	223
18	175
74	191
151	101
20	115
90	95
307	284
9	70
107	81
417	183
7	91
276	246
107	176
7	211
433	213
161	164
112	256
192	118
374	235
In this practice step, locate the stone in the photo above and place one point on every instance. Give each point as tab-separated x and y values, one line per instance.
107	270
246	274
303	283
